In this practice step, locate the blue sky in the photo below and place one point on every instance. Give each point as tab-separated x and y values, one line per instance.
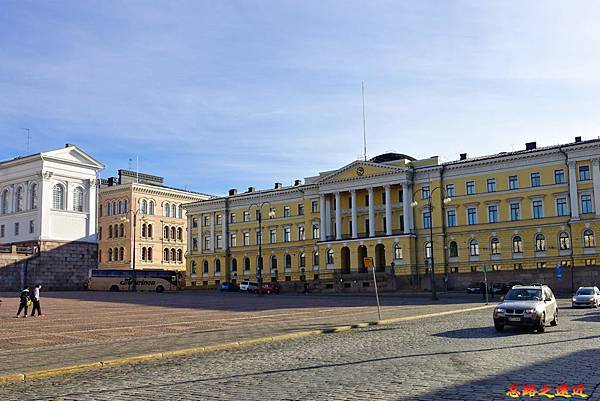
221	94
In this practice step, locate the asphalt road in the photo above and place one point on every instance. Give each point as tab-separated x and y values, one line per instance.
454	357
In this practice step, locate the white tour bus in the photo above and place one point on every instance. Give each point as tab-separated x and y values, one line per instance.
145	280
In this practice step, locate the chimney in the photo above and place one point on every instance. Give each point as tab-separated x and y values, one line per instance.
232	192
297	182
68	144
577	139
251	189
278	185
530	145
111	181
463	156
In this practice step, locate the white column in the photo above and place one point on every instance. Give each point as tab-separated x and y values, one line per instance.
323	216
406	208
338	216
573	191
354	215
596	178
371	213
328	216
189	234
388	210
92	207
213	216
225	233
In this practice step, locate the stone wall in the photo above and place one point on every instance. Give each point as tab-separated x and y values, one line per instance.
57	265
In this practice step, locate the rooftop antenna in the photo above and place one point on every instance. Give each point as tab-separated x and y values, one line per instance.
28	138
364	121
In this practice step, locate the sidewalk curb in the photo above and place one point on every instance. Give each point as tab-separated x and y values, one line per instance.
22	377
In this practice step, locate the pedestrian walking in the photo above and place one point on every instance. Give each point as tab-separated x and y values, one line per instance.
24	301
35	299
483	290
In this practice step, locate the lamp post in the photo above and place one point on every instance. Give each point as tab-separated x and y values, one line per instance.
126	220
414	203
259	266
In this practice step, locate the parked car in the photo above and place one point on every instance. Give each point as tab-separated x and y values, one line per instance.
586	297
269	288
228	287
499	288
529	306
248	286
475	287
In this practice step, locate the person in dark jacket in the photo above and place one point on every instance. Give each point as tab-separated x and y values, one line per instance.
483	290
23	301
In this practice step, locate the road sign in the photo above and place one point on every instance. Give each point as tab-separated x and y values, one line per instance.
559	271
368	262
485	268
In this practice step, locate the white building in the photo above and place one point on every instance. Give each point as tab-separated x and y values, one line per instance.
49	196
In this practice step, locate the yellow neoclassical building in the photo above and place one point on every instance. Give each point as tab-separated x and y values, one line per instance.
514	212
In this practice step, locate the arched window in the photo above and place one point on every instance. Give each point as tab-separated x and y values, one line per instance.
166	232
144	256
453	249
120	207
121	230
173	210
330	259
173	254
144	206
110	255
233	265
150	253
302	260
116	252
167	210
540	243
179	255
473	247
316	258
517	244
110	232
564	242
151	208
4	201
428	250
246	264
144	233
273	262
149	232
58	197
205	267
588	239
78	199
173	233
397	251
179	233
116	230
217	266
125	206
33	197
495	246
19	199
288	262
166	255
193	267
180	212
109	209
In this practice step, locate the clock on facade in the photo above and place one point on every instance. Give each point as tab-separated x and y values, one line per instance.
360	171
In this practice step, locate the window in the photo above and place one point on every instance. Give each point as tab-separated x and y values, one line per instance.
16	228
314	206
273	262
300	209
540	265
121	230
427	219
219	241
367	200
316	258
173	210
4	201
206	219
493	214
19	199
217	266
513	182
559	176
428	249
425	192
259	237
315	231
400	195
150	254
143	206
302	260
151	208
173	236
397	251
538	209
273	236
471	215
232	240
288	262
453	249
272	213
450	190
536	180
495	246
246	264
194	222
246	217
540	243
144	253
451	217
588	239
586	203
383	197
470	187
193	267
110	231
205	267
120	207
100	233
258	214
590	262
180	211
246	239
301	233
166	232
58	197
219	219
515	211
286	211
33	198
517	244
491	185
110	255
350	203
144	232
287	234
78	199
584	173
179	255
561	206
473	248
125	208
206	242
564	243
330	257
194	244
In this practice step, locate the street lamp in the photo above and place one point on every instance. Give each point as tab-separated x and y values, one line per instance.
259	266
126	220
414	203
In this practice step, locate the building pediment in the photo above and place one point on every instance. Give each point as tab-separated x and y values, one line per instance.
359	170
72	154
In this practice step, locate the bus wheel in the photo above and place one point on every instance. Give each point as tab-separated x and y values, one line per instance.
114	288
160	288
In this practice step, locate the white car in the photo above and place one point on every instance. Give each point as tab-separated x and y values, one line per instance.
586	296
248	286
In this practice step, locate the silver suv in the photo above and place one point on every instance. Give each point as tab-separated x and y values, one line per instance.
527	305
